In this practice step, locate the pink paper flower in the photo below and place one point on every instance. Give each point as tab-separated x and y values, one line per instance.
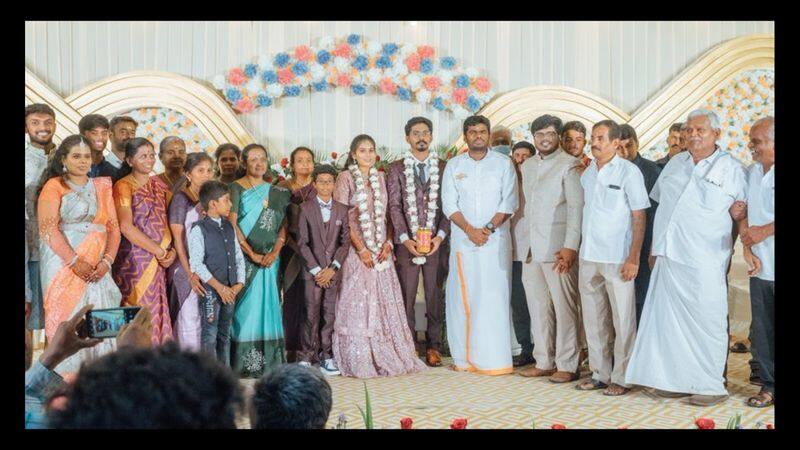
285	75
388	86
412	62
343	80
482	84
236	76
431	83
245	105
460	95
342	50
302	53
425	51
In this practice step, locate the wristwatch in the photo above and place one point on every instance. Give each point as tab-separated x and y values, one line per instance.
490	226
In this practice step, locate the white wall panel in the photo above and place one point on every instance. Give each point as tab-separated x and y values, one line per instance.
624	62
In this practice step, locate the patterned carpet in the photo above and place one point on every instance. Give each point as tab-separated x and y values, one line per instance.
437	396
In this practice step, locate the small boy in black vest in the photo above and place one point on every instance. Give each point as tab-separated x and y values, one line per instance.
215	256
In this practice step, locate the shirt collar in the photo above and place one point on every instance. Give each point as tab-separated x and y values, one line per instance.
709	159
550	156
426	160
323	202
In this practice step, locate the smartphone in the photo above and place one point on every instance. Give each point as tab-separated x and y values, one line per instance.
105	323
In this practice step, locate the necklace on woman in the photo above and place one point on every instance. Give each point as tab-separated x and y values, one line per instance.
373	233
411	196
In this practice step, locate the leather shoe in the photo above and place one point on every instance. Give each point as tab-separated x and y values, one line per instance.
536	372
523	359
563	377
433	358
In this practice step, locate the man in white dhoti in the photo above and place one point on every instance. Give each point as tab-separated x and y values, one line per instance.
479	194
682	344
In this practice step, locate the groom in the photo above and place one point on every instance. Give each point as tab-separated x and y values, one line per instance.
415	203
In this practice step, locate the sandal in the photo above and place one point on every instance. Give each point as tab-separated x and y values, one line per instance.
615	390
592	384
761	400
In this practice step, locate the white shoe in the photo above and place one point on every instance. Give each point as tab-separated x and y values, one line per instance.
328	367
304	363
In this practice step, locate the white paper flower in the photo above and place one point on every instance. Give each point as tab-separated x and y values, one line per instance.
413	80
471	72
358	78
254	85
374	75
303	81
373	48
326	43
446	76
265	63
219	81
407	49
423	96
341	64
274	90
459	112
317	71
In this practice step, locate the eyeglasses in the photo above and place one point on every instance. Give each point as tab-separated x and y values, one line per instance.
543	134
417	134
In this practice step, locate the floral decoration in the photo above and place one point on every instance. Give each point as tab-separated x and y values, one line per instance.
157	123
405	71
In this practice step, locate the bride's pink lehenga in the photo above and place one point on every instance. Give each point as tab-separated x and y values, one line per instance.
370	336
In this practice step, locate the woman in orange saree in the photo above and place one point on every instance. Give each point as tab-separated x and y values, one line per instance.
79	240
145	253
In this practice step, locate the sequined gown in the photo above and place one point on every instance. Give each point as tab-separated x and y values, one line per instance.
370	336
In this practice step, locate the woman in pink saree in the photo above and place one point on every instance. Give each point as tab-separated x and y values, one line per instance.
79	240
145	253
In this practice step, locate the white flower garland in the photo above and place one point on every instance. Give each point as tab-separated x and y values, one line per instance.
411	196
374	235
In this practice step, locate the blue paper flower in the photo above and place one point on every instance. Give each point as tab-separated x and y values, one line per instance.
233	95
473	104
384	62
447	63
320	86
323	57
269	77
360	63
403	94
291	91
438	103
300	68
263	100
282	59
389	49
359	89
250	70
353	39
462	81
426	66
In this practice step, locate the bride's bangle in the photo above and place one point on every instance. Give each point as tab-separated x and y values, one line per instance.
72	261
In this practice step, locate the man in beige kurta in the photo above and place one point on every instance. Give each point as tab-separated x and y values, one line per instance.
553	208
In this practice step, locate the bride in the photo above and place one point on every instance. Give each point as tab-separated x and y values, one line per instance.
371	336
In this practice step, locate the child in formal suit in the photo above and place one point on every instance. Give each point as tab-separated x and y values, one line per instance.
324	240
215	256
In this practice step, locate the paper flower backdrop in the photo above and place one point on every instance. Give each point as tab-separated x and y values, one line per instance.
747	98
157	123
405	71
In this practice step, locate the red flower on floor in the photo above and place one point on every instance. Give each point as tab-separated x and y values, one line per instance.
770	426
405	423
458	424
558	426
704	424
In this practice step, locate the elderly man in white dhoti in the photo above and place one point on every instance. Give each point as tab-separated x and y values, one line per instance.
479	194
682	344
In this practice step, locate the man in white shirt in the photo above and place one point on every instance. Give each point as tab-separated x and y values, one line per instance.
479	194
553	205
615	199
682	344
122	129
758	237
40	126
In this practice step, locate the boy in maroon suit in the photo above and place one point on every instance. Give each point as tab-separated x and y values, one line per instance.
324	240
415	203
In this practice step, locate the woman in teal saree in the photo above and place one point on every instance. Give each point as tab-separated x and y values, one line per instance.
258	215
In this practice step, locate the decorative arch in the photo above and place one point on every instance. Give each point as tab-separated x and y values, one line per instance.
688	91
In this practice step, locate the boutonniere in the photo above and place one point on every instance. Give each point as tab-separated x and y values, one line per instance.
460	176
265	203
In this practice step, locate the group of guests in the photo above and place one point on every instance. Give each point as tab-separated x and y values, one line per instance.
324	267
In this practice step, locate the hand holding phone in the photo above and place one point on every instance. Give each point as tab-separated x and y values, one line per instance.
107	323
68	340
